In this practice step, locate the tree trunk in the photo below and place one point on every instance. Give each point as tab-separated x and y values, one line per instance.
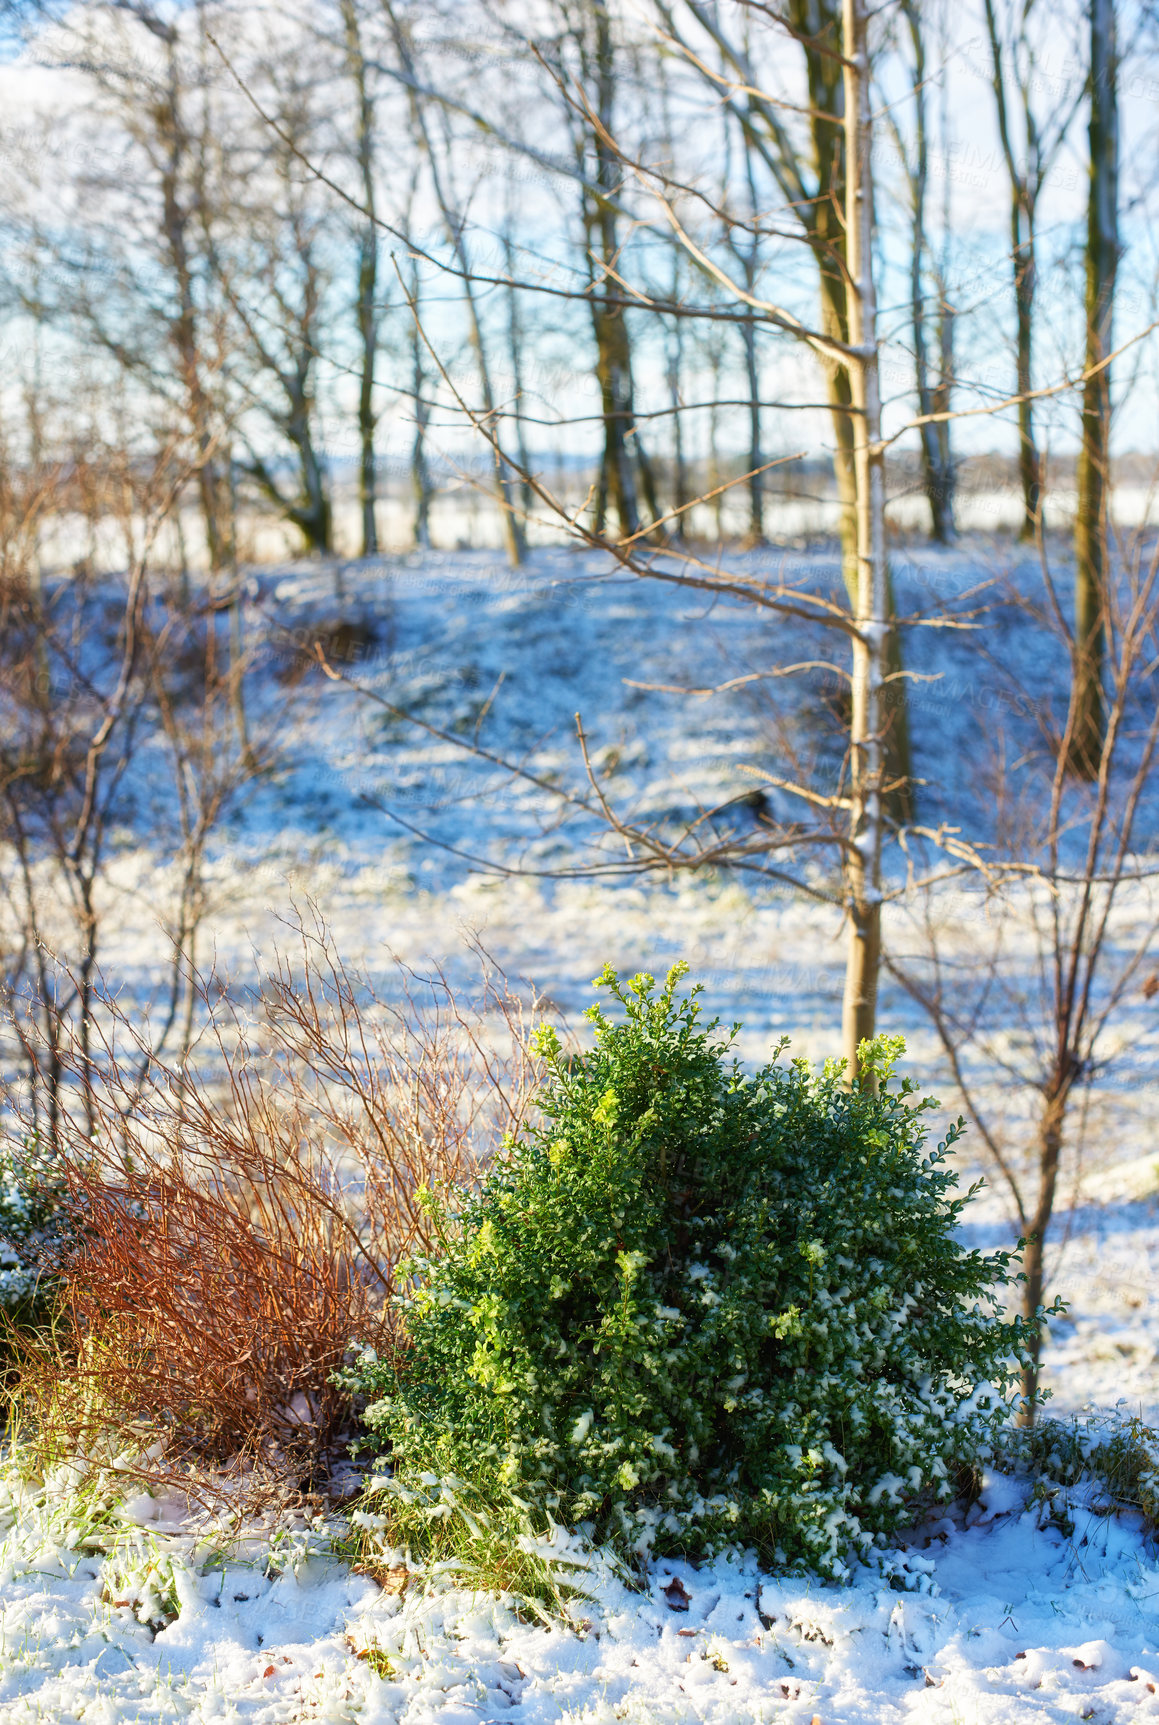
942	396
943	390
367	281
756	478
237	648
312	516
613	374
623	453
1029	464
817	25
515	347
420	478
867	728
941	520
1034	1259
214	486
1024	187
827	238
750	263
680	489
237	674
1092	526
505	487
175	220
419	470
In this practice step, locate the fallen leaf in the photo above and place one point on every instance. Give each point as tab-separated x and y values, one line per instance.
677	1595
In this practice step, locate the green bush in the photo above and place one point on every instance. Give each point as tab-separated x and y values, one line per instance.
32	1216
698	1308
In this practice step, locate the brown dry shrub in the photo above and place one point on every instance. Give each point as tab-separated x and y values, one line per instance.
235	1225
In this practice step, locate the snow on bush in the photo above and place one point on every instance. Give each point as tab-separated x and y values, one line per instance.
1106	1451
698	1308
33	1216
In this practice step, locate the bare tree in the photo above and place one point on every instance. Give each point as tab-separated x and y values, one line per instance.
810	175
932	395
68	745
625	473
852	820
516	342
191	704
143	292
1092	520
1029	157
868	723
275	271
1029	1027
454	224
365	144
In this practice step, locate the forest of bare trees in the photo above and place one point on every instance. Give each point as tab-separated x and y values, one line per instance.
220	219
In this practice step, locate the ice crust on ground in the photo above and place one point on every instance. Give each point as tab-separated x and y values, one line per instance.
1015	1618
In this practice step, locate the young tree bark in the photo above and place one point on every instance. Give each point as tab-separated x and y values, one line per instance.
274	269
748	257
623	451
817	22
816	195
1092	524
1024	184
182	211
1041	143
674	354
681	494
421	489
935	454
505	479
367	311
419	466
515	349
755	457
867	729
941	396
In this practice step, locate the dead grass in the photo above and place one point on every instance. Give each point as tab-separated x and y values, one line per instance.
235	1225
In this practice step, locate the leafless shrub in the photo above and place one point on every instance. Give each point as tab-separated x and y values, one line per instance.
232	1226
1032	1023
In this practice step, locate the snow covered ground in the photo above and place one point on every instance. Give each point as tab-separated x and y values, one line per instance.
1013	1618
1021	1620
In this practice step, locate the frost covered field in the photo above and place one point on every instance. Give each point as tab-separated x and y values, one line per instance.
119	1609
